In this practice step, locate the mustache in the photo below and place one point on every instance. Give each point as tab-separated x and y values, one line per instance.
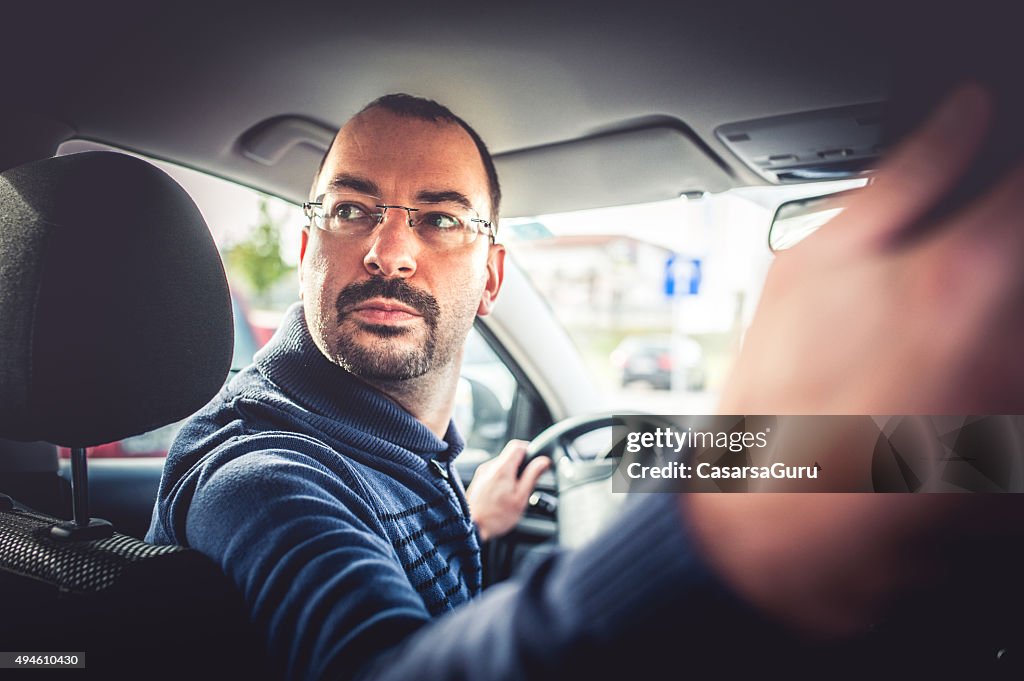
388	287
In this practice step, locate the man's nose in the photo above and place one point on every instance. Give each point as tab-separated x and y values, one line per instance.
395	246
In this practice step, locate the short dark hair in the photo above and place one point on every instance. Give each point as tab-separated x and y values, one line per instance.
410	106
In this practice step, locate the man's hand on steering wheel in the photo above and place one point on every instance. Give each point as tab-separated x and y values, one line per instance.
498	494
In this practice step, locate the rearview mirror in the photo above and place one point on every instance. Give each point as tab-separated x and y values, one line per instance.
795	220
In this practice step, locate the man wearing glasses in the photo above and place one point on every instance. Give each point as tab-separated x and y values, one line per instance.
320	479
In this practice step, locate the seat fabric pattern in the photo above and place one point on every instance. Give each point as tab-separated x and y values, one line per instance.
73	567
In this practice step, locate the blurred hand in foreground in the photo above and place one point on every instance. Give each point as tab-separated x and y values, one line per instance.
885	310
877	313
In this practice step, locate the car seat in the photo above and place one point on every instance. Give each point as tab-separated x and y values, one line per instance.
115	318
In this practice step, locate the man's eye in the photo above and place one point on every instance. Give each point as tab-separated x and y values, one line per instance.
348	211
440	221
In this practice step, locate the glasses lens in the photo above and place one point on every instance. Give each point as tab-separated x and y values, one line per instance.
446	228
350	214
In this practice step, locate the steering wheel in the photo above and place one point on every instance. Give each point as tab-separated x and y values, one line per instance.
555	440
586	502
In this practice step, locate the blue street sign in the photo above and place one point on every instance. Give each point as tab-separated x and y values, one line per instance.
682	276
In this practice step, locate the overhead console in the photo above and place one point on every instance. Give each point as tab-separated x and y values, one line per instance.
830	144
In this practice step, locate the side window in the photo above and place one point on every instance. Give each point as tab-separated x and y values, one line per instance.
484	399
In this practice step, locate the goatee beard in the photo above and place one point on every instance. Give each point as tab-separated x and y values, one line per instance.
379	361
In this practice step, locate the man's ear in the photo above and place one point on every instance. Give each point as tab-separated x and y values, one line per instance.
495	275
304	241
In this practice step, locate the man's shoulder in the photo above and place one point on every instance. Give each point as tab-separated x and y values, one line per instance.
250	419
274	458
251	427
234	463
247	409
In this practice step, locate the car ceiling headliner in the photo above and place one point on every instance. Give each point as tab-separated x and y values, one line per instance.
184	83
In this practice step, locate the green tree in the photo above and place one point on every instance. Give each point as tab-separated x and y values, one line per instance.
258	258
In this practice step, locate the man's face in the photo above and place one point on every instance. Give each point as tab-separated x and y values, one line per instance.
388	306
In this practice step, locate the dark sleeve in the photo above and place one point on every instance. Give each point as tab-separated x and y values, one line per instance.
335	602
638	602
320	580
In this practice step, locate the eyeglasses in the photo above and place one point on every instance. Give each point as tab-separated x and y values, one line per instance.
357	216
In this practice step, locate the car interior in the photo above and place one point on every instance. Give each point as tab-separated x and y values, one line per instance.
117	317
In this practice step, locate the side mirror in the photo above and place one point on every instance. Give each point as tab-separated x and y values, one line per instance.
480	416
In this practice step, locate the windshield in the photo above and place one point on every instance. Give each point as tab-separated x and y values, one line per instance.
657	297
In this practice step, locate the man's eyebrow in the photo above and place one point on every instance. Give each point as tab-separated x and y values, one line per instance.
444	196
355	183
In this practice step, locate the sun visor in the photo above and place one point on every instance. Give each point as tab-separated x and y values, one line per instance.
653	163
641	164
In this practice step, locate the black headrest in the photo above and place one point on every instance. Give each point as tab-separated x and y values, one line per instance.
115	316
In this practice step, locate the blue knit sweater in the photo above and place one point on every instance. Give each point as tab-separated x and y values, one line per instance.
342	521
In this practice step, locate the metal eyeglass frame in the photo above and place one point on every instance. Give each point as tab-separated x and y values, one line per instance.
307	208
